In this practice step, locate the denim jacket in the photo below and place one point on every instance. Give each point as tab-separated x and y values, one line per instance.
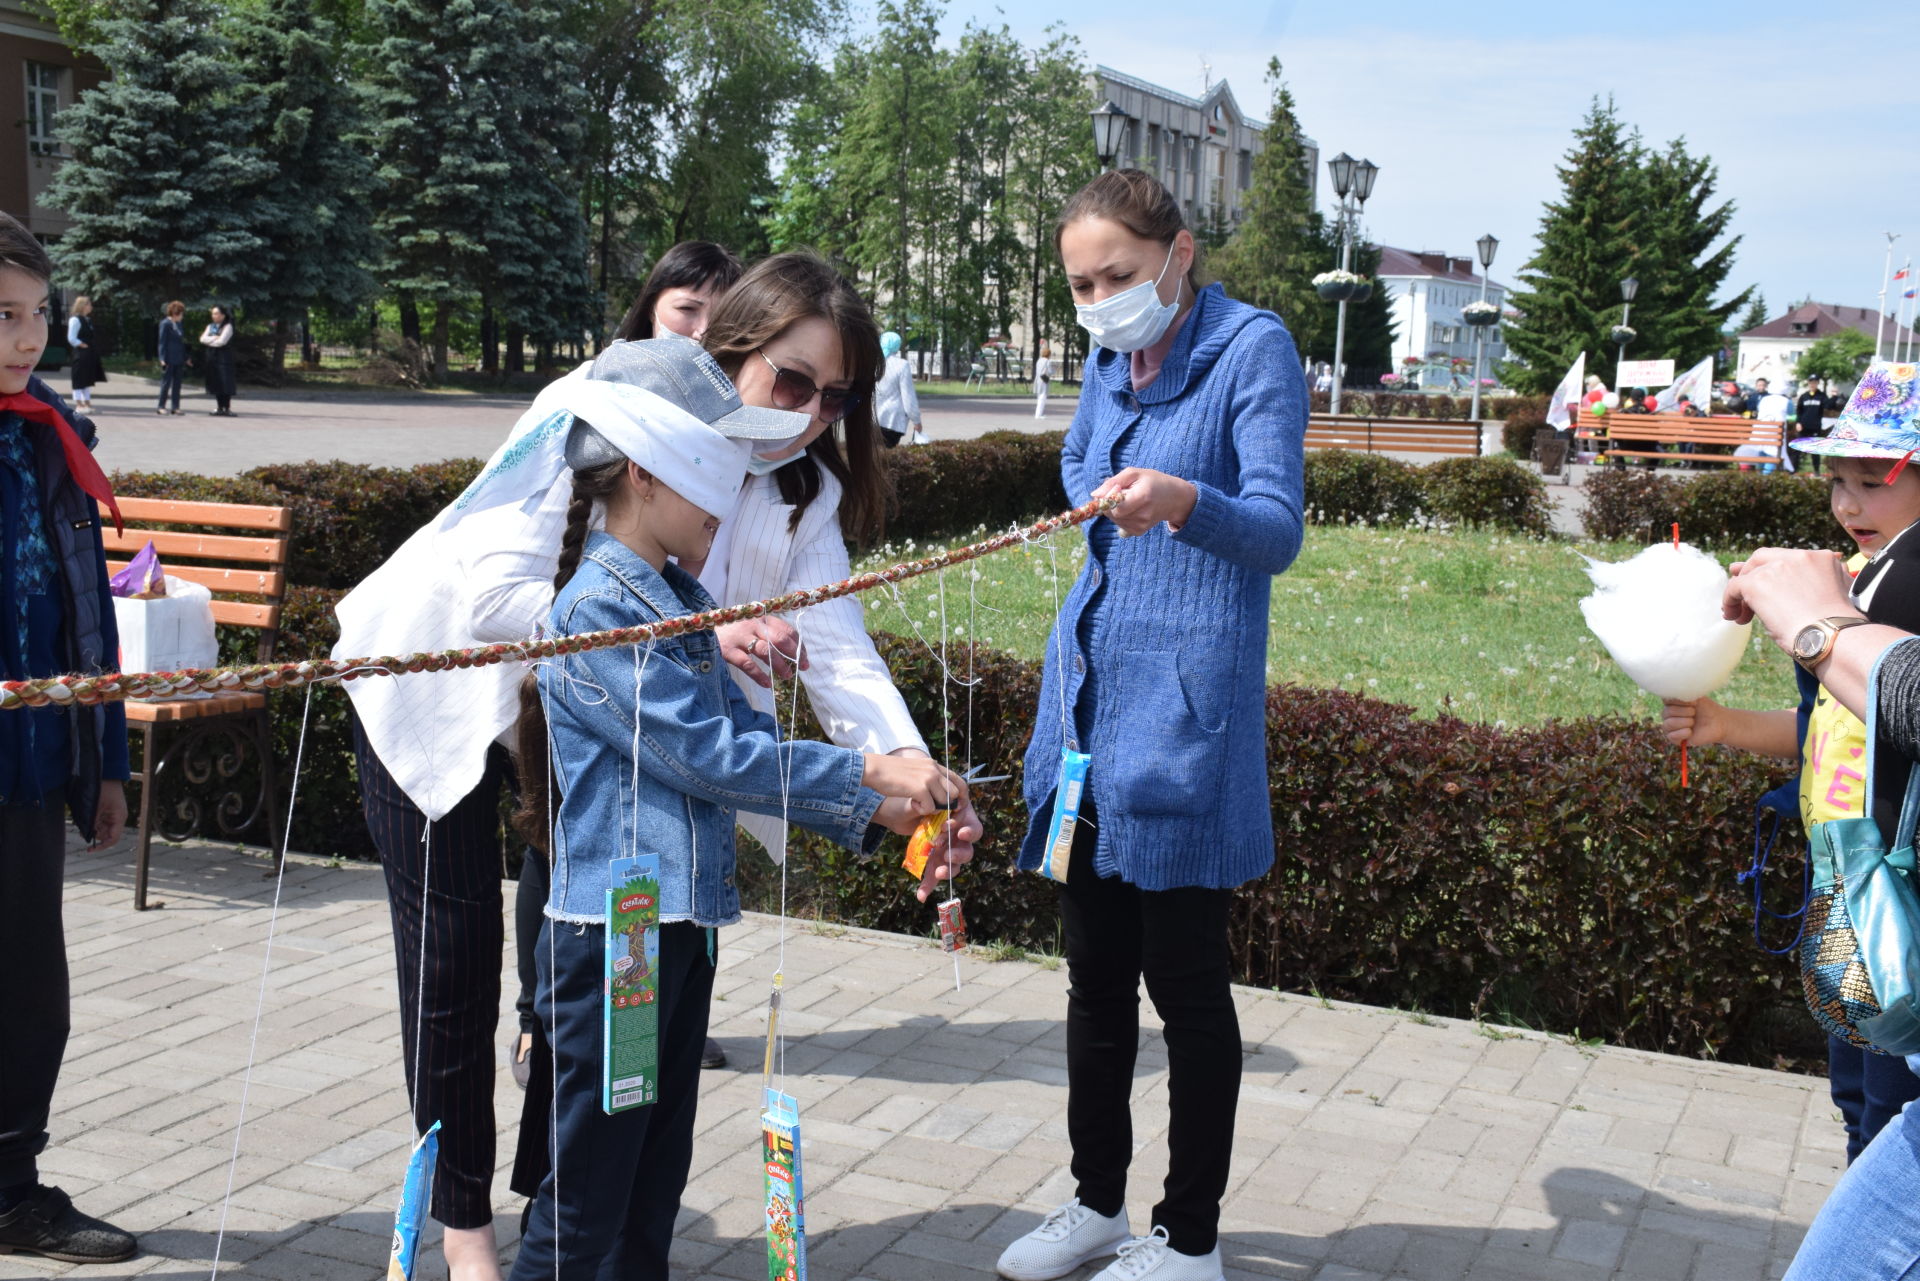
655	748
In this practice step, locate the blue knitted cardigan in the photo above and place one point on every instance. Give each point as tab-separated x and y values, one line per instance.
1160	648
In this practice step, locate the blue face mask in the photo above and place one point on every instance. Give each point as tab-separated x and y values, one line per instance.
758	466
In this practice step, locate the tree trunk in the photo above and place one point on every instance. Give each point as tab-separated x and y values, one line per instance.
280	345
442	314
409	319
489	341
516	350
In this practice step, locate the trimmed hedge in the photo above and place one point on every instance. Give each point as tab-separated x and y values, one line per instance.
1348	488
1557	876
1728	509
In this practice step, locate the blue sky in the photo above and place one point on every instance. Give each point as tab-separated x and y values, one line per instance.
1810	110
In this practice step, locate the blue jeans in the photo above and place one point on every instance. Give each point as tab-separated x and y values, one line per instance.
1869	1229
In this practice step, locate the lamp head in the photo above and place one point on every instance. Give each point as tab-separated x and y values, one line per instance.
1109	123
1487	246
1363	175
1628	288
1342	167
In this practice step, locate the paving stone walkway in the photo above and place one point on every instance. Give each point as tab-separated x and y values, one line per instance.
1370	1144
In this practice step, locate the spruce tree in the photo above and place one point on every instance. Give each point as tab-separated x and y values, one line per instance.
1756	313
163	170
1684	258
1281	242
315	214
1569	291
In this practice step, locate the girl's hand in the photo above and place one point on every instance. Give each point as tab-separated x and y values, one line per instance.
1698	722
110	815
1148	498
924	785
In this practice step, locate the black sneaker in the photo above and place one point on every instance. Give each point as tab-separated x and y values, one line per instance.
46	1223
712	1056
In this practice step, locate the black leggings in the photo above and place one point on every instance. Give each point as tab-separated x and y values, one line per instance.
33	956
1117	933
448	911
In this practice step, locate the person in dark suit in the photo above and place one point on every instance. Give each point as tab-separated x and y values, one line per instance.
173	357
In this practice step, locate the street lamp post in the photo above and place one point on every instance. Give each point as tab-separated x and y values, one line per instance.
1628	288
1352	183
1109	125
1487	245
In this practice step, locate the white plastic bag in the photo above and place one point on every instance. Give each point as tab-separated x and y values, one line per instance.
167	633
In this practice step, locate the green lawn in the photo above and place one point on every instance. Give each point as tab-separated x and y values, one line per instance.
1015	387
1486	626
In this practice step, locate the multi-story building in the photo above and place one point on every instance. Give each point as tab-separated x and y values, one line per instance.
1427	289
1202	148
39	72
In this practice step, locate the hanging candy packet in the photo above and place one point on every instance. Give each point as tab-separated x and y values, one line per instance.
953	926
1066	814
786	1211
630	1010
416	1193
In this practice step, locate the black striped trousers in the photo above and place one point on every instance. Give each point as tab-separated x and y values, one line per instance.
449	914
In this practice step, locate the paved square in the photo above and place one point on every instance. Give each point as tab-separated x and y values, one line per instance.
1371	1143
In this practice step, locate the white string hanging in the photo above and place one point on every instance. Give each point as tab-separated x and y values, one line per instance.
266	967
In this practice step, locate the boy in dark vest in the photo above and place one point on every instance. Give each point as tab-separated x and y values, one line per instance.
56	616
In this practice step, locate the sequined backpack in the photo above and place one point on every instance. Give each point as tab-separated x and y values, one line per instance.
1860	948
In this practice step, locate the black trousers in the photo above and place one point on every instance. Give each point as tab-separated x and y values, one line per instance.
33	959
1868	1088
607	1207
444	897
531	1162
1116	934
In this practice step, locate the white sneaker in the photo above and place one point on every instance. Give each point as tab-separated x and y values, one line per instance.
1150	1258
1065	1239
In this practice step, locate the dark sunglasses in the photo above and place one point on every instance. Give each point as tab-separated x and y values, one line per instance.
793	389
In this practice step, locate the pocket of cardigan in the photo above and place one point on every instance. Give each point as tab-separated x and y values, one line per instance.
1173	760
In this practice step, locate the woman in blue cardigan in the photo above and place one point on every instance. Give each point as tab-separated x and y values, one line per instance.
1193	414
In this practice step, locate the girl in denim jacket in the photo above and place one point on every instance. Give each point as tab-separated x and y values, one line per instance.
654	749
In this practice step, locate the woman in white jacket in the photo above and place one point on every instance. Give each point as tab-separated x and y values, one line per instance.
896	406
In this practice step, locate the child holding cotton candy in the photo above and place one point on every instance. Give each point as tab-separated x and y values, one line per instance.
1876	499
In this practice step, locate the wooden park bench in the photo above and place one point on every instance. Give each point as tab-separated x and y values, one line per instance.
205	740
1371	435
1648	431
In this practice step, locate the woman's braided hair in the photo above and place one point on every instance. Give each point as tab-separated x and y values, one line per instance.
591	486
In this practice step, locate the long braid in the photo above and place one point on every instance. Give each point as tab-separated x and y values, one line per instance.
530	819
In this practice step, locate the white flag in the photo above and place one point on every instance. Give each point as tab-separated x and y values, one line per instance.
1567	393
1696	385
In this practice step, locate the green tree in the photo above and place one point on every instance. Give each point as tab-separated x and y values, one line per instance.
1052	158
1569	291
1756	313
1282	241
163	165
462	217
314	213
1683	256
1837	358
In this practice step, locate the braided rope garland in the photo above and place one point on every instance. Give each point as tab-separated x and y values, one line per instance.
65	691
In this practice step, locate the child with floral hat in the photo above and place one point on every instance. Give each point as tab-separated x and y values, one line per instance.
1876	499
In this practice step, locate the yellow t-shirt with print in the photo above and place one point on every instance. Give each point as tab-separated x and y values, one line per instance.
1833	760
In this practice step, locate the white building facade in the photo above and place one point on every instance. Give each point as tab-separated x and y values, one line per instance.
1201	148
1773	350
1426	290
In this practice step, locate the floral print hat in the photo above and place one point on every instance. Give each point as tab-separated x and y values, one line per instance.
1881	420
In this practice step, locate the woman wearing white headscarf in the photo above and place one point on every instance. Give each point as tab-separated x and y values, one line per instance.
895	406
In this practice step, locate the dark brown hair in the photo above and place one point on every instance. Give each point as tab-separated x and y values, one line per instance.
688	265
776	293
22	249
175	310
531	817
1137	201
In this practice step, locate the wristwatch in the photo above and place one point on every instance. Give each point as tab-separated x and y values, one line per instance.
1814	642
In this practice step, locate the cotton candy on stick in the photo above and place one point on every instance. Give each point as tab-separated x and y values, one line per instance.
1658	614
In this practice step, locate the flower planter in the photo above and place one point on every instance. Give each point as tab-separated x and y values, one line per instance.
1623	334
1345	290
1480	319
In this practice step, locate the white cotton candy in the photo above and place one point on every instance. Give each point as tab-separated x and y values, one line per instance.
1658	614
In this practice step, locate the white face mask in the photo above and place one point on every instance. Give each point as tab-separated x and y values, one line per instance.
1133	318
758	466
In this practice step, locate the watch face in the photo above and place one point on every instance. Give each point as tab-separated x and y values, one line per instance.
1809	642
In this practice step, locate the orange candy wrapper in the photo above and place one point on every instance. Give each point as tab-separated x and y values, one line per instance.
920	844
